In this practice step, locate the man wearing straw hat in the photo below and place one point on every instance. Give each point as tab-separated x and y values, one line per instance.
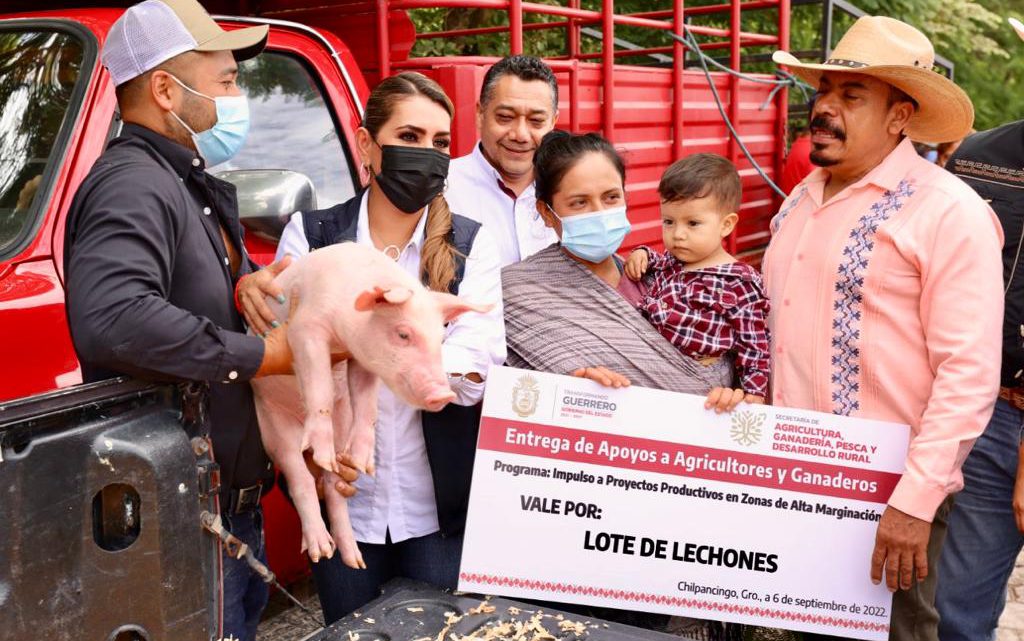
986	523
884	276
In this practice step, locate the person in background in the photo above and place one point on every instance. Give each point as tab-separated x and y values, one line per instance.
884	275
927	150
947	149
493	184
798	161
986	525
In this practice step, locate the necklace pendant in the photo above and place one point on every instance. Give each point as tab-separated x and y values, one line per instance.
392	252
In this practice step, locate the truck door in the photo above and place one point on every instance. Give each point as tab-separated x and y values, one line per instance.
298	131
45	67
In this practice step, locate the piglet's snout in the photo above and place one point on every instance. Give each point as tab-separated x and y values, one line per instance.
436	401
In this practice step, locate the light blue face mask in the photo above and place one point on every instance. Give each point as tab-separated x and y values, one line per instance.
596	236
221	142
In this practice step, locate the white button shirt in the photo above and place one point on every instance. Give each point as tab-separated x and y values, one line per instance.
475	190
400	498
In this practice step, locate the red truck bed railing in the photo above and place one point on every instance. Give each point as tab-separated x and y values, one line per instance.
655	114
667	20
677	102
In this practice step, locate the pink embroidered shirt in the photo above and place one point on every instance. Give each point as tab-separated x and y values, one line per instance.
887	303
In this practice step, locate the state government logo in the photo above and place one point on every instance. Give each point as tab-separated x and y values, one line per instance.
525	394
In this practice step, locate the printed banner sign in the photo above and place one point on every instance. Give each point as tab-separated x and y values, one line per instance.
641	499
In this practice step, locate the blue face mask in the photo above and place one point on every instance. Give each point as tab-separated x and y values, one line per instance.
596	236
221	142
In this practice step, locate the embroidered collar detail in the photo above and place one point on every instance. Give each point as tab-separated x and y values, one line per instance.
848	306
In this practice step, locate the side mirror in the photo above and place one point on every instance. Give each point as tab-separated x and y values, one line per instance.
268	197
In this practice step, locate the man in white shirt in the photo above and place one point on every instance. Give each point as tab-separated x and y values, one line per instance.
494	183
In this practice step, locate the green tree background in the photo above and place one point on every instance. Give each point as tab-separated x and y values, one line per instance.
974	35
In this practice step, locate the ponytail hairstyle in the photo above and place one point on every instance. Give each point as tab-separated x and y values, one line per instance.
437	262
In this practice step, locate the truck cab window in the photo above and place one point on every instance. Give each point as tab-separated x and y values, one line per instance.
291	127
38	73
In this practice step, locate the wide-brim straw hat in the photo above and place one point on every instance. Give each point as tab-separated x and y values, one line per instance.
900	55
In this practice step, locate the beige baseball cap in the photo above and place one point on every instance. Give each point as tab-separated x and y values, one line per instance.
155	31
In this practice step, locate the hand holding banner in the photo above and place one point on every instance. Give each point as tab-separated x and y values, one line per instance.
641	499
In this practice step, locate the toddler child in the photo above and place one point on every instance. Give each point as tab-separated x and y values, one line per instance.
702	299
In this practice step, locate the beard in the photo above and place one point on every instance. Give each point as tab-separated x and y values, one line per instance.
196	115
818	156
820	160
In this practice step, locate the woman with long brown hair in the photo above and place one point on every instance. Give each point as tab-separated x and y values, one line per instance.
408	518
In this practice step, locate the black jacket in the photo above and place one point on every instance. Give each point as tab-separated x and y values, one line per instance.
149	291
992	162
450	435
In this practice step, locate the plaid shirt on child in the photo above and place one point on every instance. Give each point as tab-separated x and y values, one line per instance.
708	312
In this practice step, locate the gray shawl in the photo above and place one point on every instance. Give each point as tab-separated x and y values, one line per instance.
560	317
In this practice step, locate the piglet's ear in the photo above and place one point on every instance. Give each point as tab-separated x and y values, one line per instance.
452	306
397	295
371	298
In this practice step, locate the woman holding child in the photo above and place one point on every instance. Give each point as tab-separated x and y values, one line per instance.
568	308
680	321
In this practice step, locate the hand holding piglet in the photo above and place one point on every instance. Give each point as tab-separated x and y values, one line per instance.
347	299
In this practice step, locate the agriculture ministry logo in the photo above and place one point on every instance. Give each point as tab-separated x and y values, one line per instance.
746	428
525	394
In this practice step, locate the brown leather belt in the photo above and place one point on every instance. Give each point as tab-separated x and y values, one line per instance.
1013	395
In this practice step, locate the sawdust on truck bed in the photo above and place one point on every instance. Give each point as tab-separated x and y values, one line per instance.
538	627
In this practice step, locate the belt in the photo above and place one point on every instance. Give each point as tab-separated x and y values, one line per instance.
1013	395
244	499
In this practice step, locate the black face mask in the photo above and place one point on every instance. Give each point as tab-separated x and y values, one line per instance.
411	176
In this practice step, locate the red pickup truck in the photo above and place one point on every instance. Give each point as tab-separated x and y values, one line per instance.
306	91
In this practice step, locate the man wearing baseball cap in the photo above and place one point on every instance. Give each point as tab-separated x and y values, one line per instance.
884	276
987	520
154	249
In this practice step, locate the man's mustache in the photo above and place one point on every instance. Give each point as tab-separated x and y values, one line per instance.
822	123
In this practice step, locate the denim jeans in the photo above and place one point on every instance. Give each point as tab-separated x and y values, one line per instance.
432	559
983	539
245	594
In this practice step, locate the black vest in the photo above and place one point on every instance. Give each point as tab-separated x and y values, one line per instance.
450	434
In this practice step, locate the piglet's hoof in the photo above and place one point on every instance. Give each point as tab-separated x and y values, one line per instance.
347	546
353	558
318	543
